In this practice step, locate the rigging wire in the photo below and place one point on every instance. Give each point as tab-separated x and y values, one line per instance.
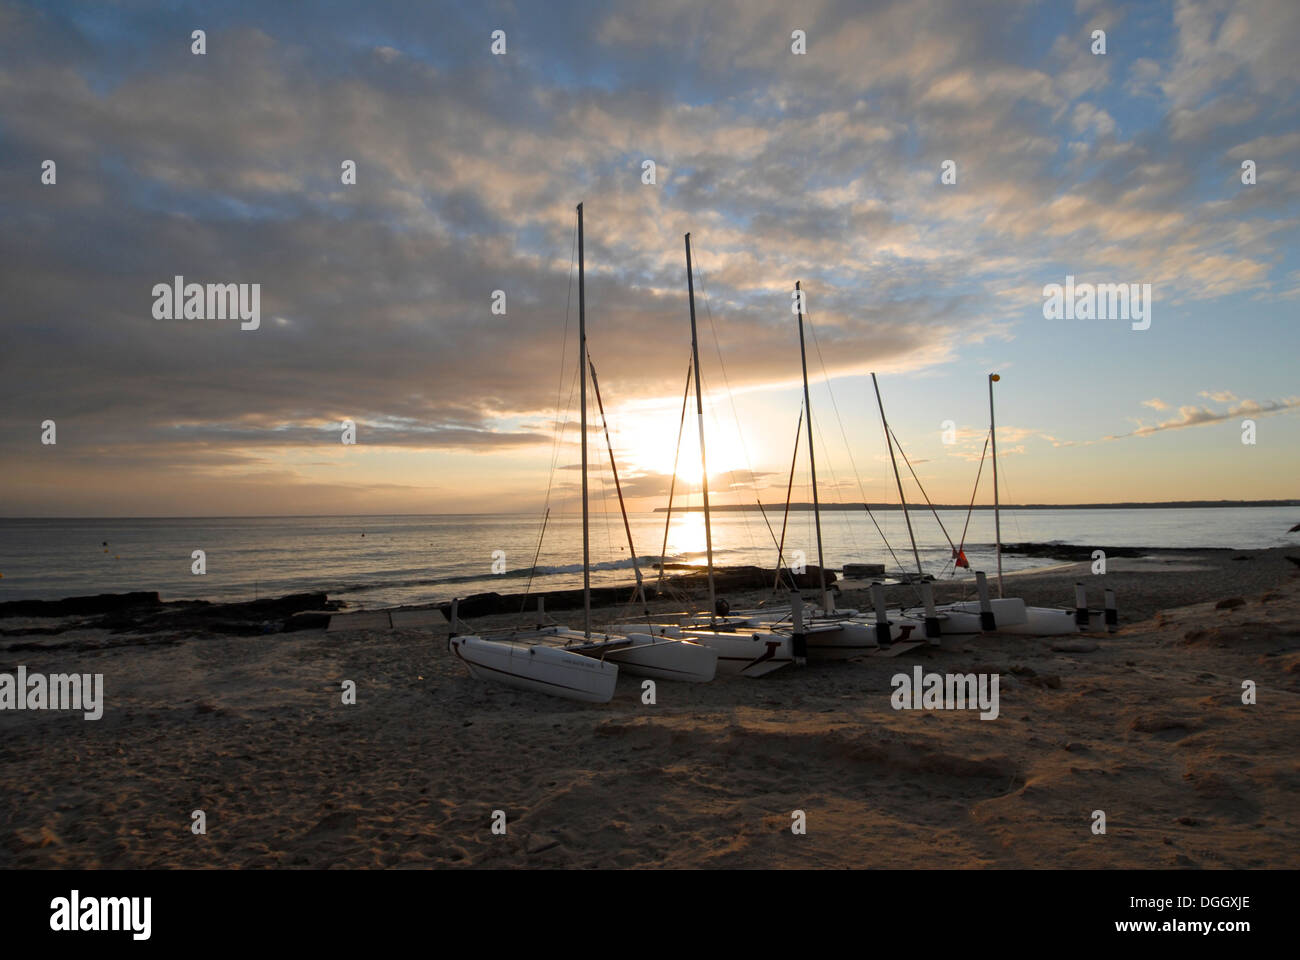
971	508
558	425
672	485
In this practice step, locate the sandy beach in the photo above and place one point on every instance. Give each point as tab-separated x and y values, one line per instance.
1148	727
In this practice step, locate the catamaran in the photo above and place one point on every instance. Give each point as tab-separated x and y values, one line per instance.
1001	614
741	649
580	665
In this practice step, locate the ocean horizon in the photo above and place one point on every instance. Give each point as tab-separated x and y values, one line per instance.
376	561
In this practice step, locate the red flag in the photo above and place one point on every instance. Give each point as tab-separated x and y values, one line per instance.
960	556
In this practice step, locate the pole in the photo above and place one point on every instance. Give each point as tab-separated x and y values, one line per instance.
582	365
699	413
812	459
997	518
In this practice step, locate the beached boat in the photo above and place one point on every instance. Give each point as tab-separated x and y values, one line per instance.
568	663
537	666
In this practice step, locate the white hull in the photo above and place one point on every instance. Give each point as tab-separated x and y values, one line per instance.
1037	621
841	640
748	654
645	655
743	652
1053	622
1007	612
538	667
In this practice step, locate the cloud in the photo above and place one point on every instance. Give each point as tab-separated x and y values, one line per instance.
1196	416
376	296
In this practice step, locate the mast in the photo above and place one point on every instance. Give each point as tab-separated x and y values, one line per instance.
582	366
897	479
812	457
699	413
997	519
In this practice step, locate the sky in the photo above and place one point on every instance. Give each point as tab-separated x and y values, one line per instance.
826	167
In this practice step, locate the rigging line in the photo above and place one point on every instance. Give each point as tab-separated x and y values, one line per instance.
889	443
835	480
726	381
899	444
523	605
672	485
785	519
559	387
971	509
559	425
826	377
618	488
897	562
780	559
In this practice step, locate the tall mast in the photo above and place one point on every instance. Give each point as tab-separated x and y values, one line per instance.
582	366
897	479
699	413
997	519
812	457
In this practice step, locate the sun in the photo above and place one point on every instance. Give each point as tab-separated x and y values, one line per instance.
647	439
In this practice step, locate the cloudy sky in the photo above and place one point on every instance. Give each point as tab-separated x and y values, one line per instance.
824	167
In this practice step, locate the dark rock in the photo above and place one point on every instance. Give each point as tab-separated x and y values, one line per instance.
80	606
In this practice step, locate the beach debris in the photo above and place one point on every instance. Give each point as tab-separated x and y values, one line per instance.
1230	603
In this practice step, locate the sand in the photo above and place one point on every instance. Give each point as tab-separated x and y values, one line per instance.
1149	727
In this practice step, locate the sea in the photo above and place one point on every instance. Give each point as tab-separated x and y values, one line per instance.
379	561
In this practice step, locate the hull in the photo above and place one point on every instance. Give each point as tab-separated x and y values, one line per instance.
646	655
1007	611
840	641
1053	622
739	653
1037	621
537	667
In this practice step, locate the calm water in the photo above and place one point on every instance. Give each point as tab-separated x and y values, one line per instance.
383	561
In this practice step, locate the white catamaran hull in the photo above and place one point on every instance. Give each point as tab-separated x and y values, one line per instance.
645	655
1053	621
1037	621
840	640
538	667
744	653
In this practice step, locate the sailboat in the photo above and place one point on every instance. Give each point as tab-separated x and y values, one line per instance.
568	663
742	649
1003	614
1045	621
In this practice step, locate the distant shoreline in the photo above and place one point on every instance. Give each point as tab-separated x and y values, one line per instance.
1134	505
1128	505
